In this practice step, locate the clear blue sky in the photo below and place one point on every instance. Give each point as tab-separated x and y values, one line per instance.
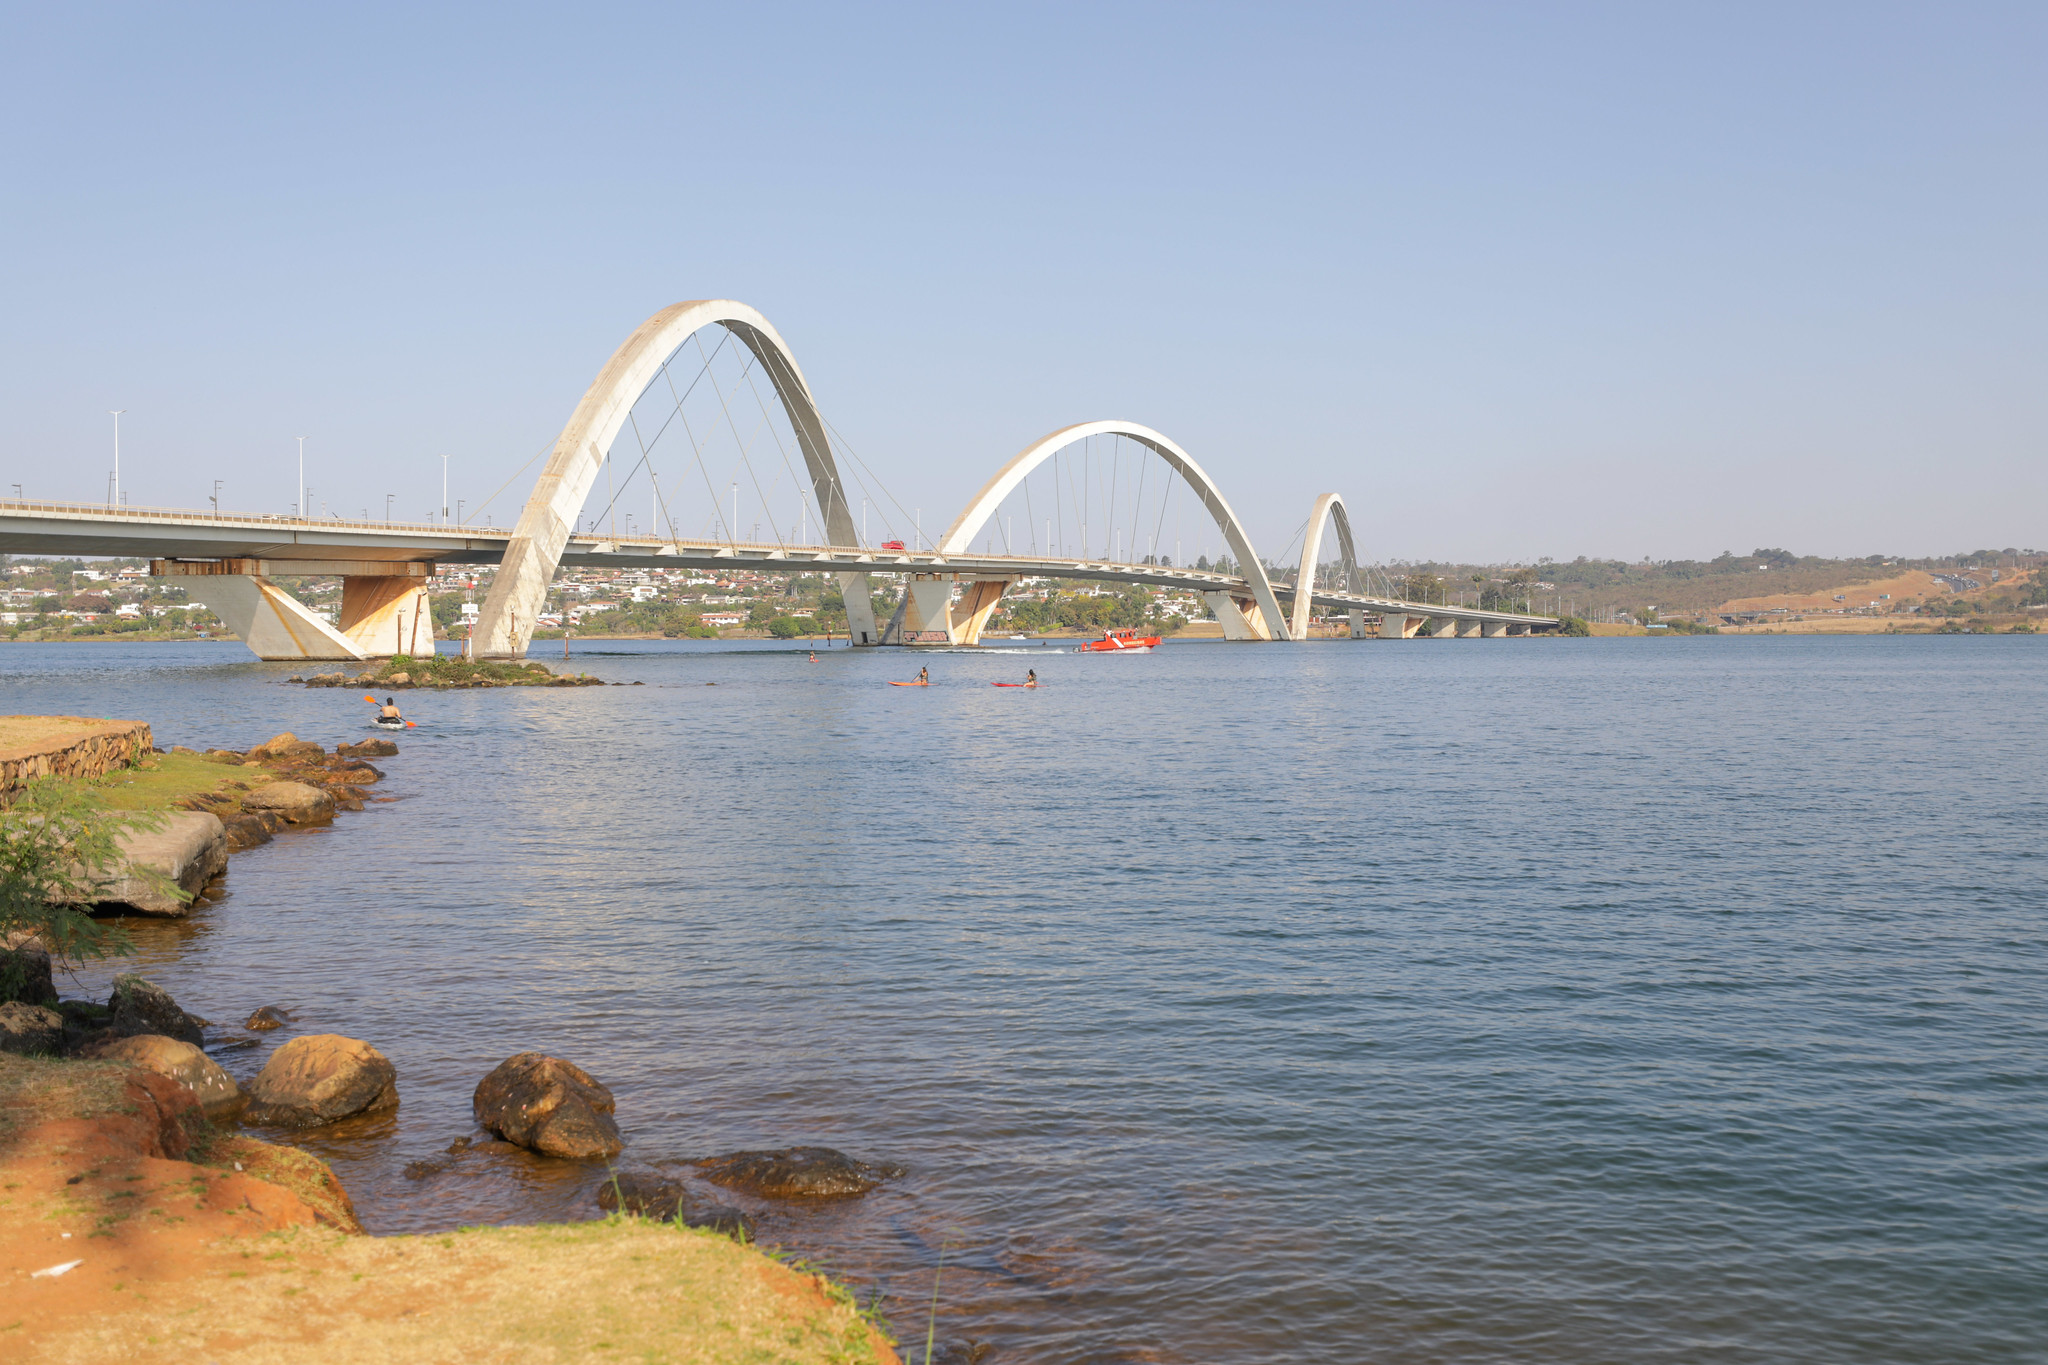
1519	279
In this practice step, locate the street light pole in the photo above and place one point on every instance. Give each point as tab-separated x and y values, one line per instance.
302	476
116	413
444	490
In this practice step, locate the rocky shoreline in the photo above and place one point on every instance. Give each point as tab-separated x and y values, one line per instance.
176	1106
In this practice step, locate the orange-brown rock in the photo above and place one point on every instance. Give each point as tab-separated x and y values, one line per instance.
318	1079
216	1091
550	1106
295	801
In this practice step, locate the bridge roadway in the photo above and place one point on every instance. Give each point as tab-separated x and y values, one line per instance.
202	544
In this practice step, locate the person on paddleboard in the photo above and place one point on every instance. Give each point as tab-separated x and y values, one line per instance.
924	677
1031	677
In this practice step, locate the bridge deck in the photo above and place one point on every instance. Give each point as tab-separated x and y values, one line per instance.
51	528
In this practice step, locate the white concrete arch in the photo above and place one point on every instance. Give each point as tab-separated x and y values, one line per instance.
505	622
959	537
1329	507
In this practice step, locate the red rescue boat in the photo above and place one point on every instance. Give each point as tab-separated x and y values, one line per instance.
1119	642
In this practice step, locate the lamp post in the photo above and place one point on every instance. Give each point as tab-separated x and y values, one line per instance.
216	497
302	476
444	490
388	498
116	414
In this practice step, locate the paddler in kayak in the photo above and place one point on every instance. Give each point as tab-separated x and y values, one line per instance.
389	710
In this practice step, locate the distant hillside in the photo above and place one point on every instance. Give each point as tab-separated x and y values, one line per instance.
1760	580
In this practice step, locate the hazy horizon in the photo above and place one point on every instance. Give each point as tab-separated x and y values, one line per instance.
1582	279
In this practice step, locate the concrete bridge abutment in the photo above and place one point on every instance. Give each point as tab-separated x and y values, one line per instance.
384	611
1240	617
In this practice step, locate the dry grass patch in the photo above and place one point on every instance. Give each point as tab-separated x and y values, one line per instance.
22	732
621	1289
35	1090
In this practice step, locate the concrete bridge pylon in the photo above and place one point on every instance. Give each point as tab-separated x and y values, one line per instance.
505	622
1257	617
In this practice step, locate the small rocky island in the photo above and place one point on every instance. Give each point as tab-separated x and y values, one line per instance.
444	670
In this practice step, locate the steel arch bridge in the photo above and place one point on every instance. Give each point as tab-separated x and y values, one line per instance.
226	560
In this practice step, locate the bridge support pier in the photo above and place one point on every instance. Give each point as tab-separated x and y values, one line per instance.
969	616
1495	629
929	615
1399	625
1443	627
1516	629
1240	616
860	609
384	606
922	617
1357	624
1469	630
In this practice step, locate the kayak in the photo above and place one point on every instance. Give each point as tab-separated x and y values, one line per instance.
383	724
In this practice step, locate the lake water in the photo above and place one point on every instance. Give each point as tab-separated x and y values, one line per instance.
1512	1000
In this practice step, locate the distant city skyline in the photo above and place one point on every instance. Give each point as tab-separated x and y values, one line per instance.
1518	281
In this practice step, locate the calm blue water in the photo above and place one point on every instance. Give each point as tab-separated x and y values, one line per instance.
1610	1000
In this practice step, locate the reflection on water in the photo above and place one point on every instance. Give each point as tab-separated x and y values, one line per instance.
1474	1001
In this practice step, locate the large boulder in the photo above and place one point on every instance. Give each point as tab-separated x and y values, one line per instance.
295	801
266	1018
139	1007
25	971
318	1079
30	1030
185	851
272	747
218	1094
795	1173
550	1106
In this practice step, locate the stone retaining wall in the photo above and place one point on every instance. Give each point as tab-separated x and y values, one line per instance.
85	747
